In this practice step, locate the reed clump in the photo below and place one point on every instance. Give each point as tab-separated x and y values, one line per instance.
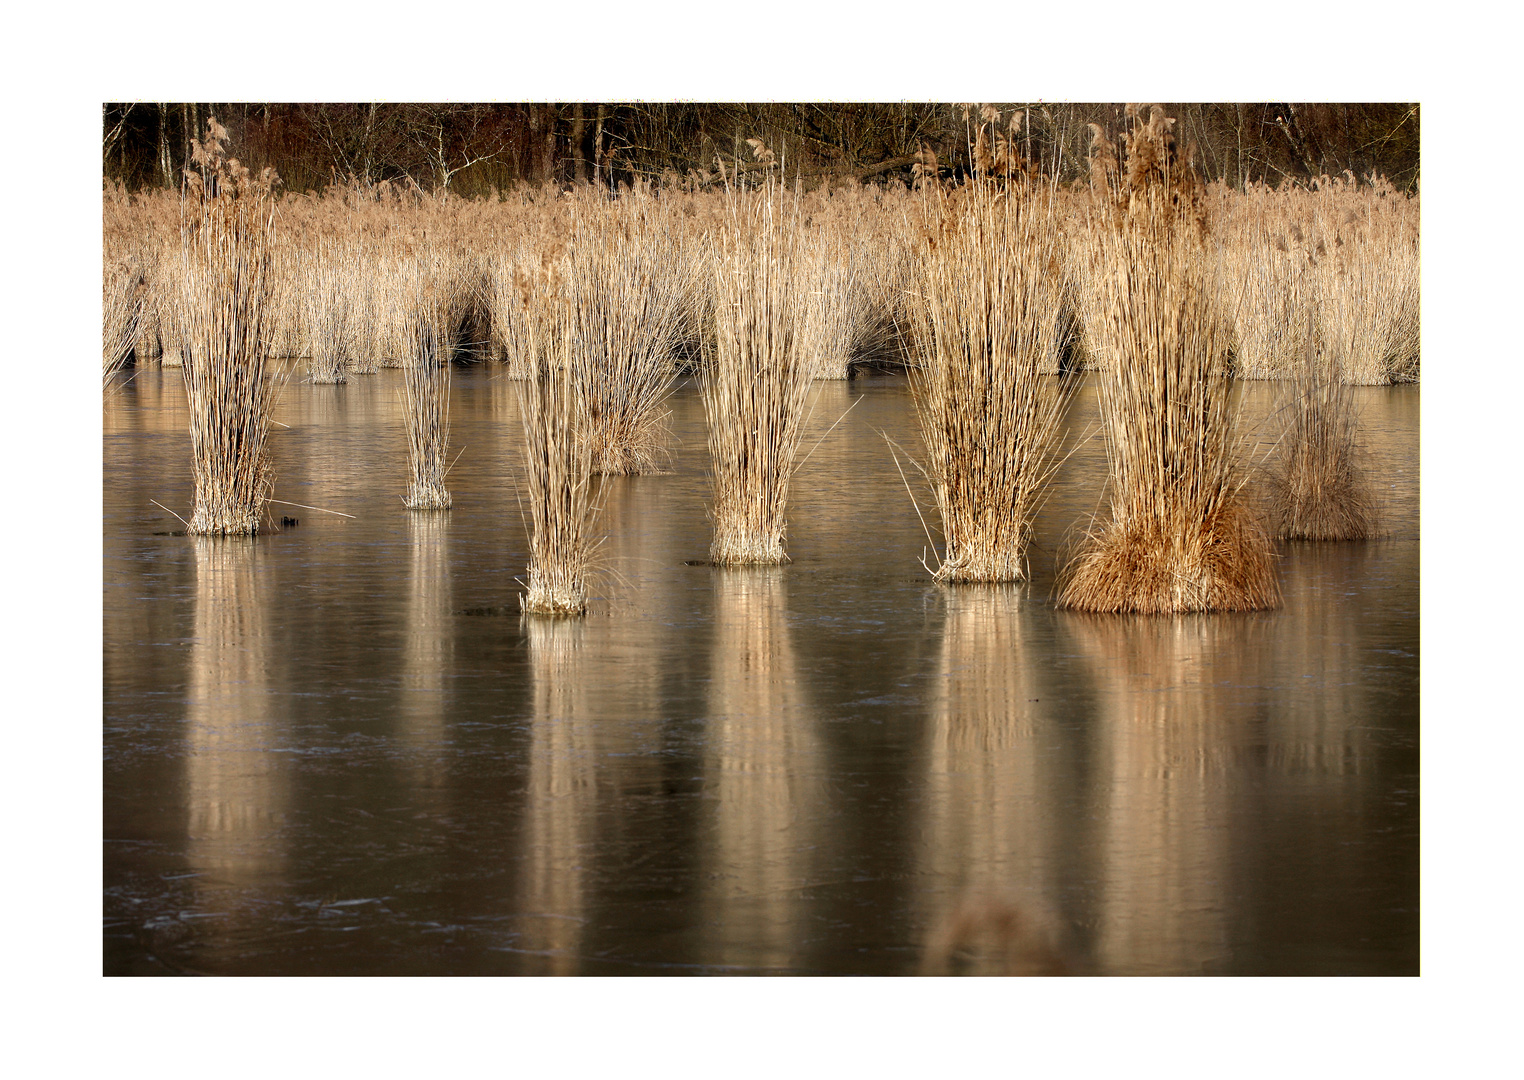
1318	488
426	388
989	415
226	231
1181	536
756	384
632	291
558	455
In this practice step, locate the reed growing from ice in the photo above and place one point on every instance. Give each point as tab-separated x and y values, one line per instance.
426	393
558	456
1318	490
989	416
1181	536
631	293
756	384
225	265
330	321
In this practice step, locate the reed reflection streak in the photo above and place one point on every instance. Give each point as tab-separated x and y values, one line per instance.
990	838
237	793
764	848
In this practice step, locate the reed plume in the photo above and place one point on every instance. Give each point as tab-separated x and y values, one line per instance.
558	456
226	234
989	416
1180	536
756	384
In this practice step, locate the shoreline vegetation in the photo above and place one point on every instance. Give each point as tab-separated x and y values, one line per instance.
989	280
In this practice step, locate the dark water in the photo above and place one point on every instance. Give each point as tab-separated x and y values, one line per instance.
332	750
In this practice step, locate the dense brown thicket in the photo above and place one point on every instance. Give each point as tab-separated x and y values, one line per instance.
470	148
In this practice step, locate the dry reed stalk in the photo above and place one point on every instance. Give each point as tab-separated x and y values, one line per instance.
630	298
1180	535
1318	491
756	385
426	391
558	457
225	266
989	417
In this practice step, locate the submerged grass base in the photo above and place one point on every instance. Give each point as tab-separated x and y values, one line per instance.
1223	564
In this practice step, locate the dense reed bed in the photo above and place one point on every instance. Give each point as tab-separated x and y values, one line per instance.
756	384
225	269
122	304
986	338
1181	537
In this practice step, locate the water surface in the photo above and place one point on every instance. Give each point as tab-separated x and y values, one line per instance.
337	749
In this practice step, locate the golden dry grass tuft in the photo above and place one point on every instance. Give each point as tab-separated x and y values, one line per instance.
225	258
986	335
558	455
756	384
1180	536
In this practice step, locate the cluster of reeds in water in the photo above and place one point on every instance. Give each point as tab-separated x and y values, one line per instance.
1181	536
756	383
987	390
558	453
225	258
598	304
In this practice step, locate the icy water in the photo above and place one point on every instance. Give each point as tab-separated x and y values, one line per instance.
338	749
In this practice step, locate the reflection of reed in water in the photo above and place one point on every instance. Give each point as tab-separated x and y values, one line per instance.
561	800
764	757
989	837
235	791
991	934
429	649
1168	744
1325	730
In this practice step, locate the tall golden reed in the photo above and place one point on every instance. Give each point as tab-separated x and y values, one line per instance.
1181	536
756	384
1318	489
426	389
558	455
226	231
989	416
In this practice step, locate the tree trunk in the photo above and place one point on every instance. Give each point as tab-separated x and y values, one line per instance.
166	178
579	162
598	146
